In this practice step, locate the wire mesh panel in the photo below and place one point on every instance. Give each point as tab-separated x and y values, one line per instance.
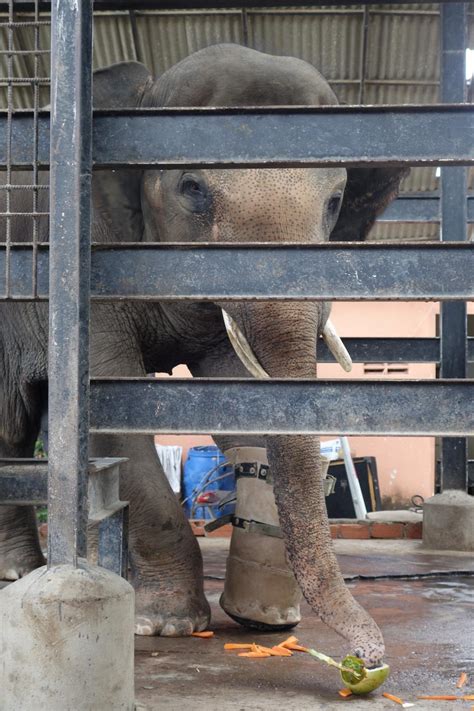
24	87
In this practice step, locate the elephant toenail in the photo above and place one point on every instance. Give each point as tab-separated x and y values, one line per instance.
12	575
144	627
169	630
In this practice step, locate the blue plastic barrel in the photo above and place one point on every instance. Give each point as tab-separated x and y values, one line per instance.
203	461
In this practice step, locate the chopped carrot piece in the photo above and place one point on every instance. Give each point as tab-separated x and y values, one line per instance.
393	698
254	655
231	645
268	650
344	693
469	697
462	680
447	697
290	640
295	648
282	651
207	634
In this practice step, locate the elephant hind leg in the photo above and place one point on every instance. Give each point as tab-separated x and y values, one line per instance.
20	550
166	563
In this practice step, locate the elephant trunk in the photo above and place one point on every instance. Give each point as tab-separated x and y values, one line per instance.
283	340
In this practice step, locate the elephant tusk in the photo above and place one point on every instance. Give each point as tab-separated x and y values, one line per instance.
246	355
336	346
242	347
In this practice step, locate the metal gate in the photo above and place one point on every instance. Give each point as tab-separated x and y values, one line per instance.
61	272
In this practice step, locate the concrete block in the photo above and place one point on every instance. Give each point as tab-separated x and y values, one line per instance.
448	521
402	516
66	641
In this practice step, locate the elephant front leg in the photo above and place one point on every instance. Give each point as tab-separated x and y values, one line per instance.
260	590
20	550
166	563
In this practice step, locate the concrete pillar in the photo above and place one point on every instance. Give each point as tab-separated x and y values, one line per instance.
448	521
66	641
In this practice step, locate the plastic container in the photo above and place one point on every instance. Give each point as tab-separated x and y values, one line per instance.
205	462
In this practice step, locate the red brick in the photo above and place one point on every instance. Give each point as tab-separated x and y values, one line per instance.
354	530
334	530
386	530
222	532
197	526
414	530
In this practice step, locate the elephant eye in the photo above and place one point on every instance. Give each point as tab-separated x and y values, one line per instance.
195	193
332	210
334	205
190	185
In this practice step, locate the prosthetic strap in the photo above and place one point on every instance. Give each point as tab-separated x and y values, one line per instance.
265	529
260	471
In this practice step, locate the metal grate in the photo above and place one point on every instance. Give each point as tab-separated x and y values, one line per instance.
24	199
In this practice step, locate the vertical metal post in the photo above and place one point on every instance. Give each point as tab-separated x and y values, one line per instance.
70	224
453	321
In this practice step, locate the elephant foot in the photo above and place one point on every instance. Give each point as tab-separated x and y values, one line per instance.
170	612
261	626
20	552
17	563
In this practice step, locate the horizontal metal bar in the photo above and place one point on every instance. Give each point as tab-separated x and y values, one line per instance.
201	406
25	481
419	209
335	271
291	136
101	5
391	350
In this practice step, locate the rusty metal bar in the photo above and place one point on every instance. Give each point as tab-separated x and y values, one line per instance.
69	277
200	406
273	137
453	317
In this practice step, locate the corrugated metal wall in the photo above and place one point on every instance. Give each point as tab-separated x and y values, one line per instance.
400	65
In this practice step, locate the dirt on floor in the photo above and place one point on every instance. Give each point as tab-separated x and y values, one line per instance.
423	602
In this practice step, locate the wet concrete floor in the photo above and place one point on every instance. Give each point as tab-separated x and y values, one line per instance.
428	625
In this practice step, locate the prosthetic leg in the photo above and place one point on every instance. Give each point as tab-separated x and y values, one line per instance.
260	589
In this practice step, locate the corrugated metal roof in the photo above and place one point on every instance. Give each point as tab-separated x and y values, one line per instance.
401	63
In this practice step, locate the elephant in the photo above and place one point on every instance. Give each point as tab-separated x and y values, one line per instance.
306	205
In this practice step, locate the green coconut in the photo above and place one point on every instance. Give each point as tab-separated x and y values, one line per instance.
359	679
354	673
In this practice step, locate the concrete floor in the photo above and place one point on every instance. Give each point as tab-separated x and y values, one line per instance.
428	625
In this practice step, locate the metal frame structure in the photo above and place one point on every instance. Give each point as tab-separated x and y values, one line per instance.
274	137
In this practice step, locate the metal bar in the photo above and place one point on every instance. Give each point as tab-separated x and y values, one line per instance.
363	54
389	350
101	5
113	543
205	272
317	272
7	142
290	136
199	406
453	317
70	181
419	209
28	487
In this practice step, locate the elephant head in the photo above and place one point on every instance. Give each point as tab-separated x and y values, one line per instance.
252	206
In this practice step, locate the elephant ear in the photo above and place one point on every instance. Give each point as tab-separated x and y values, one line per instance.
116	193
368	193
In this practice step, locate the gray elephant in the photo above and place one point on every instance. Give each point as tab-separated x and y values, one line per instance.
133	339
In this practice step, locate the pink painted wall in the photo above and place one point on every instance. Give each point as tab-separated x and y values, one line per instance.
405	464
